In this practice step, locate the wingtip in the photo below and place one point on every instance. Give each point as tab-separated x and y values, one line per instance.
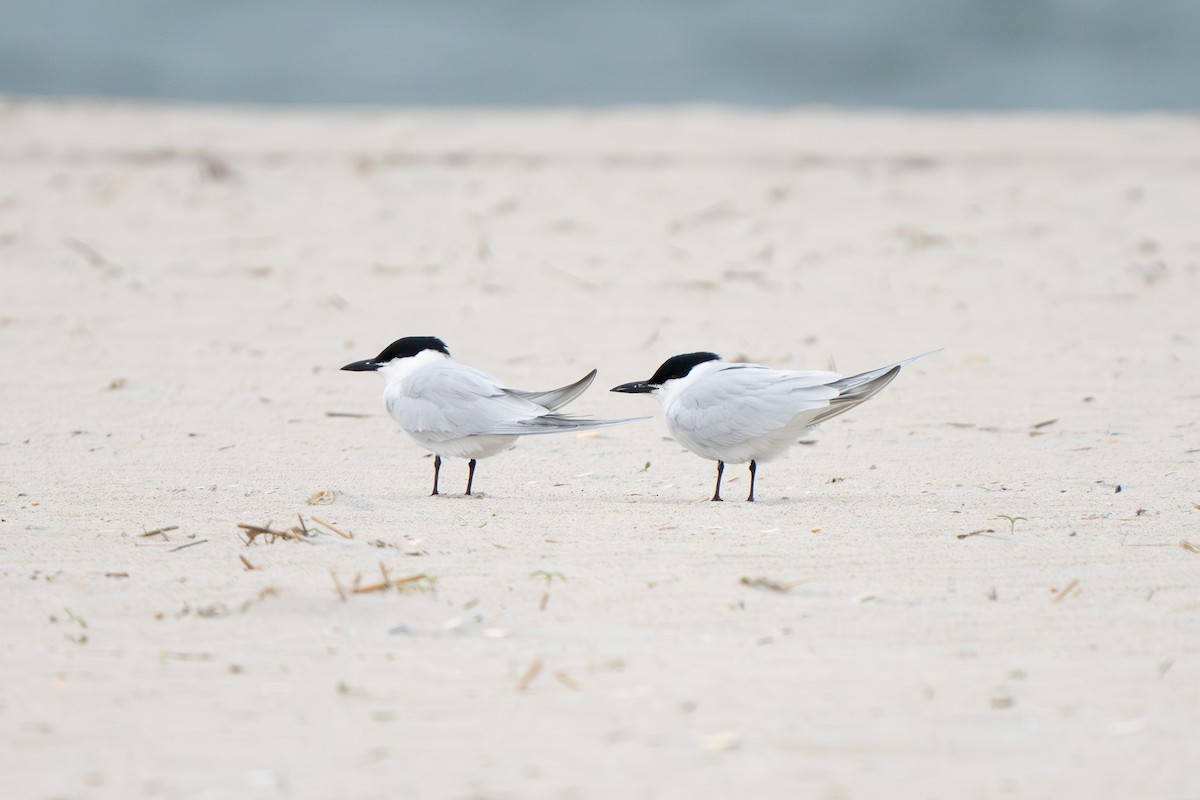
908	361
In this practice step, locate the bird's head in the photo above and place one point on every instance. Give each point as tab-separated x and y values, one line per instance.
398	351
672	369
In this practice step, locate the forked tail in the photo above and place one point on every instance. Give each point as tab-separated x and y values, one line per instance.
858	389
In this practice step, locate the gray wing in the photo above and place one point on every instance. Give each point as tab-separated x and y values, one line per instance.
557	398
449	401
747	401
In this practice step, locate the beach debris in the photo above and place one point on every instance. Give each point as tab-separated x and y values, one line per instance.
980	532
254	531
411	547
300	532
420	582
1036	428
567	681
159	532
263	594
531	672
116	574
721	742
213	167
246	565
1186	545
1071	584
769	584
321	498
339	532
107	267
116	383
864	598
348	414
187	545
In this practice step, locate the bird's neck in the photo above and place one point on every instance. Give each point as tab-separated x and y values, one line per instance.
400	368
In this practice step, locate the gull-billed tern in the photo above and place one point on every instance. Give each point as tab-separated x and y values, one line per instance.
458	411
733	412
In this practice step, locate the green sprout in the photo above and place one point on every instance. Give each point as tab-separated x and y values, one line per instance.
548	576
1012	521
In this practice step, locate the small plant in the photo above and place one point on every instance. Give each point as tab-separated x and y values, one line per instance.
1012	521
548	576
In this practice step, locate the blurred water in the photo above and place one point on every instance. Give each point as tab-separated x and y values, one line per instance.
1065	54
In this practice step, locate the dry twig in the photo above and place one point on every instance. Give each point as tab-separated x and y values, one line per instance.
159	532
529	674
341	533
767	583
1066	590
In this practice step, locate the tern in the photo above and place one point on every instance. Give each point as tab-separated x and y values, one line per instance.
456	411
734	412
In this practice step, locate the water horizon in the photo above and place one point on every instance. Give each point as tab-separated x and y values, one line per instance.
1034	55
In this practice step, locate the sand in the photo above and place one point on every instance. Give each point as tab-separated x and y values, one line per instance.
983	583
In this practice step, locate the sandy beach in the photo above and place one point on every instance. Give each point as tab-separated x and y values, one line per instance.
983	583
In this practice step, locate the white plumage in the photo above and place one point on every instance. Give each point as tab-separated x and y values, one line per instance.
734	413
458	411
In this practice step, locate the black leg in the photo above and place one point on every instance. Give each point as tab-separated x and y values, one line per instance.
716	498
753	469
470	474
437	467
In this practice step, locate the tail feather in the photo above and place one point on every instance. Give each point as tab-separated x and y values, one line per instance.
858	389
554	423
